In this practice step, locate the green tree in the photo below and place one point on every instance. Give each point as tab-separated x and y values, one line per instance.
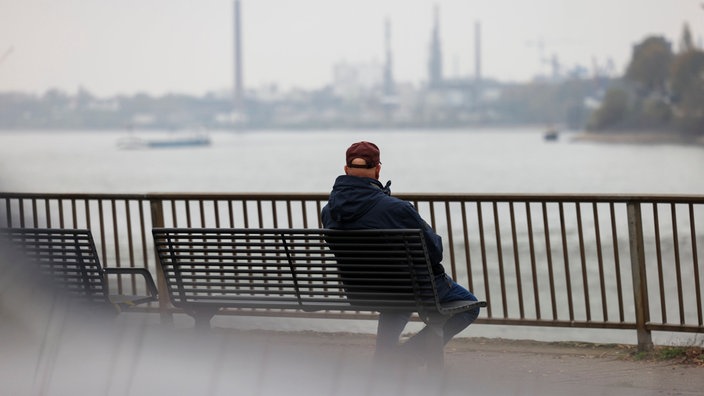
687	88
686	73
612	113
653	114
686	41
650	65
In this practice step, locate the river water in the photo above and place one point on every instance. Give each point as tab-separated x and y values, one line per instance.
464	161
454	161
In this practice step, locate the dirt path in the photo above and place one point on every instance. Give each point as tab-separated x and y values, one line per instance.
520	367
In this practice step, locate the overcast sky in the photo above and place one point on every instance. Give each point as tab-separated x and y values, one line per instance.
185	46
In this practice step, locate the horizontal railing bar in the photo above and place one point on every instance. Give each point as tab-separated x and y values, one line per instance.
430	197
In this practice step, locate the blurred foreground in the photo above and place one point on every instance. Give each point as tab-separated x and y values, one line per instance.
135	357
49	347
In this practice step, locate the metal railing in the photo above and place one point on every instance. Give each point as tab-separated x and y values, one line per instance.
588	261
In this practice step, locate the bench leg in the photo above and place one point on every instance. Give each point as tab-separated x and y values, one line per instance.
202	317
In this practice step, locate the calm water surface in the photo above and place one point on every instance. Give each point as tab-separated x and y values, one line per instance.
472	161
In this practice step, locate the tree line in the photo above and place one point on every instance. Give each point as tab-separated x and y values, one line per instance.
662	90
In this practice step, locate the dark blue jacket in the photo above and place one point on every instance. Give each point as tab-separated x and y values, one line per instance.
362	203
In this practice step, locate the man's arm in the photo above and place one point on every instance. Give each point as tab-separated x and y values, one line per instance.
432	239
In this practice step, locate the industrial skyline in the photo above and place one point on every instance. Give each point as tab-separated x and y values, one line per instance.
179	46
386	80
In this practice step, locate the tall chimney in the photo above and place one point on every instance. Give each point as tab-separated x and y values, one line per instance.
435	61
388	64
238	88
477	52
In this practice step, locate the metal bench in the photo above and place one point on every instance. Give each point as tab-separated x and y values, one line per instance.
301	269
67	261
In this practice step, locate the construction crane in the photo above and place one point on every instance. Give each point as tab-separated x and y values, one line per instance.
552	61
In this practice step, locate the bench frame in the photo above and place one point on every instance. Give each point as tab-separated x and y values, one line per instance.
67	261
207	269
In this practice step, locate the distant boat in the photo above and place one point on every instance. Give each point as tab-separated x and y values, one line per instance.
551	135
173	140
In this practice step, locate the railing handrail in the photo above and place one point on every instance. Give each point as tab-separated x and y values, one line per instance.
435	197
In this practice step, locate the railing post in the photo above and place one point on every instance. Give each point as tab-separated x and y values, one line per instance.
157	210
640	284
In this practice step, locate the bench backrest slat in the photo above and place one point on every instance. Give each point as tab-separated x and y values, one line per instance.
296	268
65	259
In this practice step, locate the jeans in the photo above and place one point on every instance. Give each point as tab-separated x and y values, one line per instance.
392	323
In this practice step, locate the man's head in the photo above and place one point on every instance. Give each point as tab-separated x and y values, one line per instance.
363	160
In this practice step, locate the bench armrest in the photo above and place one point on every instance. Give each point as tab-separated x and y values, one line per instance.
149	280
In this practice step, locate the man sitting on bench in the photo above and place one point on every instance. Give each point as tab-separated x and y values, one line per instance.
359	201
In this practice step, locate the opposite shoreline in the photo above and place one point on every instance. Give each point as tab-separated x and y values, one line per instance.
646	138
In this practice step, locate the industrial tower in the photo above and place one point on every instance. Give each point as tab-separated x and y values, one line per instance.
389	89
238	88
435	61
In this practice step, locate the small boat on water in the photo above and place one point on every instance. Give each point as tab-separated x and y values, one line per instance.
551	135
171	140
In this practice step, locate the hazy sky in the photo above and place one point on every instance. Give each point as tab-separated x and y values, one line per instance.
185	46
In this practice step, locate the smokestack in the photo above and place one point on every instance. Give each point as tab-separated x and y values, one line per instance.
435	61
477	52
238	88
388	66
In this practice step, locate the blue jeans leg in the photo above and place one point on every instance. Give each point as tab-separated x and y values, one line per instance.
389	329
448	290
